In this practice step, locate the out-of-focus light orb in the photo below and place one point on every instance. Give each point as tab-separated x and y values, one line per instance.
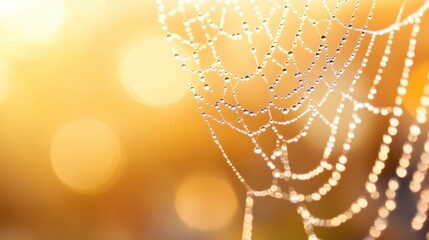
31	21
419	75
86	155
205	203
150	74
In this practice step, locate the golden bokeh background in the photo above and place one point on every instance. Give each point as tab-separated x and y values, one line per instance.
100	138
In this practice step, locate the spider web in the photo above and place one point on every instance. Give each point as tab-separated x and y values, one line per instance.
272	69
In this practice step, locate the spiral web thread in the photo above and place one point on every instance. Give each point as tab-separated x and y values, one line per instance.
309	87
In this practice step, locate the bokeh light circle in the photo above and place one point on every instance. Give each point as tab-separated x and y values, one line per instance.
31	21
205	203
150	75
86	155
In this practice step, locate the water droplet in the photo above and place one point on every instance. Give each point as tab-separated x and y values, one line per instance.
257	150
277	174
277	152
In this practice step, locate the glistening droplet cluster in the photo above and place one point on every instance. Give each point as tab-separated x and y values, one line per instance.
300	104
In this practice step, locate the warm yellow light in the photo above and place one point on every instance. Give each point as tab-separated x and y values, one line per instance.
5	72
151	75
418	78
206	203
86	155
30	21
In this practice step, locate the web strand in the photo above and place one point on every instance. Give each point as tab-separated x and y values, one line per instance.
299	93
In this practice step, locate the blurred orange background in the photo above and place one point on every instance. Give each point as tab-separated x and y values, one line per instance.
100	138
